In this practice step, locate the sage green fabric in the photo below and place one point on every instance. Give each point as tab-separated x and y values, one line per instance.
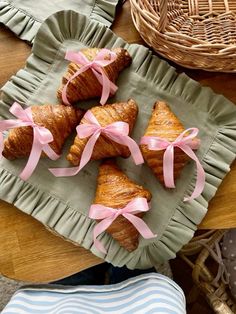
63	203
24	17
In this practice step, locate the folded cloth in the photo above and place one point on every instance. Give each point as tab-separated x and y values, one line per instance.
148	293
229	254
24	17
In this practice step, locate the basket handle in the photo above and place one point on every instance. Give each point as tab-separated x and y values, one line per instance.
163	15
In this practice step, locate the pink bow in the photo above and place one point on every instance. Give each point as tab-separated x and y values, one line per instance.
41	138
186	144
108	87
117	132
108	215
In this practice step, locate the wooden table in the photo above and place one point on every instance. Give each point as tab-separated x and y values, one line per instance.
36	261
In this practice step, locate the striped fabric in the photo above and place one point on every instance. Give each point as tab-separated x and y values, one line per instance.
145	294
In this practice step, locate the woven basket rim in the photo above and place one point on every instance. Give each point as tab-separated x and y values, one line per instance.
213	46
173	33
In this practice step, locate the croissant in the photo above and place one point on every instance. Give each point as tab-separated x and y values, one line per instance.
86	85
58	119
164	124
116	190
105	147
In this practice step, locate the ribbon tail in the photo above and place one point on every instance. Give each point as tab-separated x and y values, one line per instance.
64	172
113	88
130	143
105	86
64	90
200	182
88	150
168	167
34	157
134	150
50	152
100	228
140	225
86	155
33	160
64	94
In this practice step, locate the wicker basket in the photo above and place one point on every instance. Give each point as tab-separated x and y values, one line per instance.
195	33
216	292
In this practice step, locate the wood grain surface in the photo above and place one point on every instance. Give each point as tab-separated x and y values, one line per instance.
27	250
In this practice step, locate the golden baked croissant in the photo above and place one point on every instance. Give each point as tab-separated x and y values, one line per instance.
60	120
164	124
86	85
105	147
116	190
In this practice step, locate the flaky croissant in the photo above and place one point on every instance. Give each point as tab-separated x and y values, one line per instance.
105	147
58	119
164	124
116	190
86	85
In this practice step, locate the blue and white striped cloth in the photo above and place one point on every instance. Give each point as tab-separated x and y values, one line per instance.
145	294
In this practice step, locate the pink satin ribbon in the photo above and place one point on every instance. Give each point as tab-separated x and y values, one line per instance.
108	215
108	87
117	132
186	144
41	137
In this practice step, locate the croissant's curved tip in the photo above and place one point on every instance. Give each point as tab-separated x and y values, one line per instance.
161	105
131	101
127	59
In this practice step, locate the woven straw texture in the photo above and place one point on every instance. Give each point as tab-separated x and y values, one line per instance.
213	288
193	33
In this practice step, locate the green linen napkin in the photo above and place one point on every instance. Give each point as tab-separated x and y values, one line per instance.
24	17
62	203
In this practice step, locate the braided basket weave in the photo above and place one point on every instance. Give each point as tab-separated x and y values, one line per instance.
216	292
193	33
